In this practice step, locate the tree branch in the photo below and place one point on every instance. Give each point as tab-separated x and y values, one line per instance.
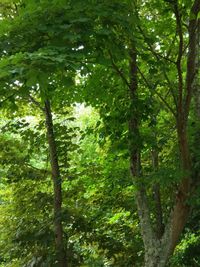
157	56
179	58
37	169
36	103
8	97
158	94
116	68
191	70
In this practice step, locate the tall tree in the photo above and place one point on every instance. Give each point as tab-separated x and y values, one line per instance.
57	185
138	66
159	248
162	60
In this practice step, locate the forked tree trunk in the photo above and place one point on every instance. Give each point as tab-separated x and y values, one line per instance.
158	248
58	228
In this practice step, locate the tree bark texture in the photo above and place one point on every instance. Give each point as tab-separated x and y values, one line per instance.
151	244
196	144
58	228
197	79
156	249
157	198
181	208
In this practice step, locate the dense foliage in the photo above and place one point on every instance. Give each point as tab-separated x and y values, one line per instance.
99	123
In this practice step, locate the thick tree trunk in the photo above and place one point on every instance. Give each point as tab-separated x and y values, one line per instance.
156	250
58	228
181	209
160	246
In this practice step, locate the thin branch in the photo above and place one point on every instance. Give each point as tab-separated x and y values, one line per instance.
179	58
116	68
171	45
38	169
8	97
157	93
36	103
157	56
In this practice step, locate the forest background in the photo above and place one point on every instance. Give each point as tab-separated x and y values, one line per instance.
99	133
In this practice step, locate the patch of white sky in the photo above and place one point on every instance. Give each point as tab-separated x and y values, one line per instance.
81	47
81	109
18	83
80	78
157	46
85	115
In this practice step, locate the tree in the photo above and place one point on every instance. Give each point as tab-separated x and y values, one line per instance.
34	83
157	53
137	64
158	249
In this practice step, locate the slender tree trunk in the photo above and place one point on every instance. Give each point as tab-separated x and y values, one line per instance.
157	198
196	144
197	80
58	228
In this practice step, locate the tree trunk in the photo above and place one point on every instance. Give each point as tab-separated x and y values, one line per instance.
157	198
160	246
58	228
181	208
197	80
156	248
196	142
